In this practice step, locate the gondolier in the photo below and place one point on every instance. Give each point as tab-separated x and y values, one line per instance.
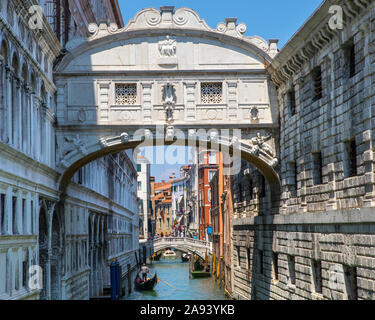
144	271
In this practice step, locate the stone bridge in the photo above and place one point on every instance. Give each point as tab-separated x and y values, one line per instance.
197	247
167	78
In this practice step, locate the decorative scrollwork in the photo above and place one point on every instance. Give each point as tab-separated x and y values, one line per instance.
241	28
153	18
113	27
221	27
180	18
93	28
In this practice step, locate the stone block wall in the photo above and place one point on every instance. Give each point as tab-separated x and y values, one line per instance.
321	244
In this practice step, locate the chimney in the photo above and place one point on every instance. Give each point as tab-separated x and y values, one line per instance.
167	14
273	51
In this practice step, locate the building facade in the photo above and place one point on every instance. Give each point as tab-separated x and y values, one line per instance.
163	208
192	204
319	245
67	238
144	195
207	167
179	205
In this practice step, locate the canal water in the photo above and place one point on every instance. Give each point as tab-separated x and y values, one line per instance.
177	285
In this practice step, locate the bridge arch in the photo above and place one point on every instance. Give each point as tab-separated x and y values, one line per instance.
182	249
198	247
82	154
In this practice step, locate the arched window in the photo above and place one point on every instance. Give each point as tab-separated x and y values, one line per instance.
25	112
3	92
14	101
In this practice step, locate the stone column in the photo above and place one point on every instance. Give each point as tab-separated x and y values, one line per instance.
18	221
8	85
8	218
50	208
147	101
190	102
103	115
18	116
2	102
232	100
28	214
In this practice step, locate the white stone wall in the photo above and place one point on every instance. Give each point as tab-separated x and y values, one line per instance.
72	243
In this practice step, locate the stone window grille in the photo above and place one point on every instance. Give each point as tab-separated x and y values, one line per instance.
261	262
317	168
293	176
248	259
262	187
350	278
2	212
350	59
238	255
212	93
350	159
275	258
126	94
292	102
251	189
317	276
292	269
317	81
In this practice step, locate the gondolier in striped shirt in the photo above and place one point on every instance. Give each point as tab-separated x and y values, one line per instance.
144	271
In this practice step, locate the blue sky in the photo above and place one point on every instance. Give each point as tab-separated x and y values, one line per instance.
270	19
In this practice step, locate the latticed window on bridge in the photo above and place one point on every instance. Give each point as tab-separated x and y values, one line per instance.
126	93
212	93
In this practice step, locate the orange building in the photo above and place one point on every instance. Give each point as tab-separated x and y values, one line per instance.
217	218
208	161
162	204
221	217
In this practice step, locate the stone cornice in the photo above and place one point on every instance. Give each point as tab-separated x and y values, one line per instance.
312	37
181	22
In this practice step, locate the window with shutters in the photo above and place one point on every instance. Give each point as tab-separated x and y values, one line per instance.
126	94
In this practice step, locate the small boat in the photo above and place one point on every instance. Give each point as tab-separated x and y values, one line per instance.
147	285
185	257
169	254
200	274
156	256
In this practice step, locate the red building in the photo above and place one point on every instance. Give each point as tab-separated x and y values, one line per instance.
208	164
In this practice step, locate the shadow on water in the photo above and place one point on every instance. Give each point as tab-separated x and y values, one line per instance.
177	285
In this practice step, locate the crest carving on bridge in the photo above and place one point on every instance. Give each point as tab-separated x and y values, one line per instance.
182	18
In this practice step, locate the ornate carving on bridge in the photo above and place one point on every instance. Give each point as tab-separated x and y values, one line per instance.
169	101
168	50
170	133
124	137
259	143
72	145
182	18
168	47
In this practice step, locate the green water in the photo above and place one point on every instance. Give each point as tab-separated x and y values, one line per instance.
180	287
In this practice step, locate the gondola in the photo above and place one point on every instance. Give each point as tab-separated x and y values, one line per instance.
185	257
156	256
145	285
